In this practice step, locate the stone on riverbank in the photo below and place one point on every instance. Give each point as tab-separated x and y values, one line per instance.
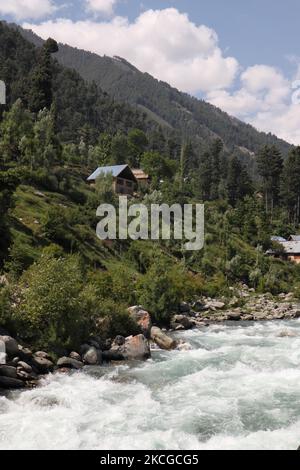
75	355
10	383
43	365
234	316
181	320
142	318
162	339
136	347
92	356
11	345
69	363
8	371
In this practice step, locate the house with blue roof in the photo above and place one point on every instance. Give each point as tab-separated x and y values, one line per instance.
124	181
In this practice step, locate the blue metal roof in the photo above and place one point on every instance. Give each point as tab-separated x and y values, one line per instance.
107	170
278	239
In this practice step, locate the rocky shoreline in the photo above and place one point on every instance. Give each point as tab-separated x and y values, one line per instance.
246	307
22	368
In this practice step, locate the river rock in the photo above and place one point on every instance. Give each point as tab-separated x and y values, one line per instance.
162	339
247	317
289	297
42	364
234	316
214	305
136	347
8	371
181	320
142	318
43	355
70	363
8	383
11	345
23	375
24	366
92	356
75	355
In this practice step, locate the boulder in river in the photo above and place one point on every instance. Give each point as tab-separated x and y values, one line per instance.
43	365
234	316
9	383
75	355
92	356
214	305
8	371
136	347
69	363
43	355
183	321
142	318
162	339
24	366
11	345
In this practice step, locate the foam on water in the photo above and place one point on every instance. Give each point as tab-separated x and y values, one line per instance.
238	388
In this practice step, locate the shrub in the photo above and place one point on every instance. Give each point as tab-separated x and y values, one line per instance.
5	309
162	288
49	314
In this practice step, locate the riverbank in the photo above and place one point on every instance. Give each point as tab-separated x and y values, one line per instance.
23	368
244	305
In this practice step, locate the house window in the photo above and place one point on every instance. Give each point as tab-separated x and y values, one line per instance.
129	184
120	181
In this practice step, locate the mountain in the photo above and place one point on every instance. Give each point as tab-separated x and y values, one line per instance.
83	109
171	109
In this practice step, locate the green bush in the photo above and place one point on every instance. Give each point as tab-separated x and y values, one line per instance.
5	309
49	314
162	288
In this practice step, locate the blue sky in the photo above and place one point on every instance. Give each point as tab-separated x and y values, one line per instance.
241	56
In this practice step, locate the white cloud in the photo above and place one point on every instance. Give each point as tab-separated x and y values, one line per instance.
101	6
264	99
164	43
27	9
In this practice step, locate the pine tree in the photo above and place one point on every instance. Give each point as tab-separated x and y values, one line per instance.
270	164
40	86
290	185
216	150
17	123
238	183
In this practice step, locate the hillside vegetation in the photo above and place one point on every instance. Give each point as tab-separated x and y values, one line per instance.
60	283
193	118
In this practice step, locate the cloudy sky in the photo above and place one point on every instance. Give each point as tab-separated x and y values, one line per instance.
244	58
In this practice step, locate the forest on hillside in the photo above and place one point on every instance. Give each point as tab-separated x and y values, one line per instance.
60	283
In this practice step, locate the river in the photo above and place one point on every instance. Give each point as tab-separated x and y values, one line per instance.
237	388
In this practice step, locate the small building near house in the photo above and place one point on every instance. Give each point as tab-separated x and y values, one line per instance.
124	181
289	250
142	178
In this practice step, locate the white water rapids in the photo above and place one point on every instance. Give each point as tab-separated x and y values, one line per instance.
238	388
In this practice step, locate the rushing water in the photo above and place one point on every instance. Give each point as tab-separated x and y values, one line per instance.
238	388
